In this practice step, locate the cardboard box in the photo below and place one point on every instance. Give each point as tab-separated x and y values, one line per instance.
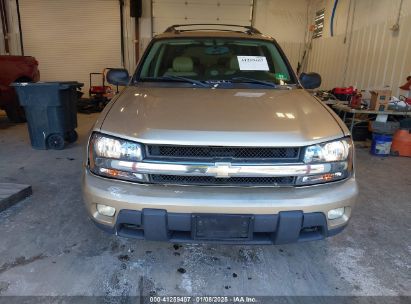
379	100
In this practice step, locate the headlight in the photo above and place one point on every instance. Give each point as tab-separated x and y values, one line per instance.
106	152
338	153
110	147
333	151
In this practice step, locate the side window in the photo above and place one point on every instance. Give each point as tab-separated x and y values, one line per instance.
150	61
166	60
154	64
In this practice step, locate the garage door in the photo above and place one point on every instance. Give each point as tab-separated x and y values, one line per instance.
169	12
72	38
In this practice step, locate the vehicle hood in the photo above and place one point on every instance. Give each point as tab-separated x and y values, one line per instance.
234	117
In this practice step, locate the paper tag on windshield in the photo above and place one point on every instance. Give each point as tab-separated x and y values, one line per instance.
253	63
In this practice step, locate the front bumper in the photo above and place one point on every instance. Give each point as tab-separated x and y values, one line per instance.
157	212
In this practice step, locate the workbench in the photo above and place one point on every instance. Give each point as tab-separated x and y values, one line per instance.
332	102
344	109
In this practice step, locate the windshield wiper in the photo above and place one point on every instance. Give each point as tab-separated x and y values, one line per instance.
176	78
252	80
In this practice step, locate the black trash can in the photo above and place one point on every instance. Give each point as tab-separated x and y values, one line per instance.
51	112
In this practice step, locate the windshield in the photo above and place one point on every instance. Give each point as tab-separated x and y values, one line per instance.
215	60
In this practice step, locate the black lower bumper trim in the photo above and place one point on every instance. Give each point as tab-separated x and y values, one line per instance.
282	228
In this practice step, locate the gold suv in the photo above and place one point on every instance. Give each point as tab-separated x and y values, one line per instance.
215	139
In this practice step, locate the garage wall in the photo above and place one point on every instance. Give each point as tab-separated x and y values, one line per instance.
368	12
169	12
72	38
286	21
363	52
368	54
129	28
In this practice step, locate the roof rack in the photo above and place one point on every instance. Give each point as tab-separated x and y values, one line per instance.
214	26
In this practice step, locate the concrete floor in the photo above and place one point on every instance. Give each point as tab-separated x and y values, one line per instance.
48	246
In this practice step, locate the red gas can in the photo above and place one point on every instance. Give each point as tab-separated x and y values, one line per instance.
401	143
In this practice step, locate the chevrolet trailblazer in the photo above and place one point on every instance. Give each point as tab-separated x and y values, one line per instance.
215	139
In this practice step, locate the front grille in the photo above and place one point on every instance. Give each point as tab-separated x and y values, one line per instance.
213	181
212	153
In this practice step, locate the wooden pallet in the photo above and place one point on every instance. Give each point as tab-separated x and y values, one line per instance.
11	194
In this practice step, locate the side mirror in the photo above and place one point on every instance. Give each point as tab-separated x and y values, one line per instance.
310	80
118	77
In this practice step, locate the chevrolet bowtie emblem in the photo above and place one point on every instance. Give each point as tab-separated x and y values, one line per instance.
223	170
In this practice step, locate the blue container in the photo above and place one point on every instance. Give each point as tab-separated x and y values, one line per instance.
381	144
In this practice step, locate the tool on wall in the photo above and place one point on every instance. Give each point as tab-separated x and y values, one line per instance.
396	27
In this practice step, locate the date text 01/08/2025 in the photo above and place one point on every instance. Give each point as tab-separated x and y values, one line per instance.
203	299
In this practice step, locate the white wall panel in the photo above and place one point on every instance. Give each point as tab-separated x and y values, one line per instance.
327	57
169	12
377	57
293	51
368	12
285	21
72	38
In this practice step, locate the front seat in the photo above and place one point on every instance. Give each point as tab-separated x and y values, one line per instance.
182	66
